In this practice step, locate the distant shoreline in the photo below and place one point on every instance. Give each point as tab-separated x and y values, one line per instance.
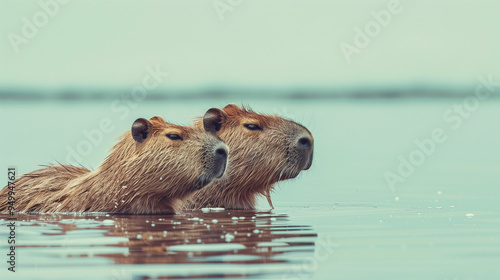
21	95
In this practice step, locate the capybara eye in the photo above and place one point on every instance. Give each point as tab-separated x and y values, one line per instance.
252	126
174	137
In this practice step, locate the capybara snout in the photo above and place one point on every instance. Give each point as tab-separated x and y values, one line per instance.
214	162
305	149
220	160
215	153
299	153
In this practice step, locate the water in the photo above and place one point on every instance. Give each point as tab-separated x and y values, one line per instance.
339	220
197	244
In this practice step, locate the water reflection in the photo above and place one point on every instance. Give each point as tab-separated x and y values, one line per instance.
194	244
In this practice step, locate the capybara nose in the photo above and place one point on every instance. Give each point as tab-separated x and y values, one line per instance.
221	161
305	150
221	153
305	142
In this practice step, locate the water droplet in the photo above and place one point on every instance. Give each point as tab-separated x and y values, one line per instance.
229	237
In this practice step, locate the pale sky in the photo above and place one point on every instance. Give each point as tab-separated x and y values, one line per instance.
259	43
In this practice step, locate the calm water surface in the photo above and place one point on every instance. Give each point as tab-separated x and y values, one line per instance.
202	244
335	242
338	220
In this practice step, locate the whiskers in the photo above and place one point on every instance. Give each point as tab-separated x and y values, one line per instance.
282	170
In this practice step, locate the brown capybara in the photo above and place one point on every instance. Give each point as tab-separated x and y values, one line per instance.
264	149
148	171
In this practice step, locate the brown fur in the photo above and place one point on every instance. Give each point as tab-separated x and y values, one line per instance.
257	159
139	178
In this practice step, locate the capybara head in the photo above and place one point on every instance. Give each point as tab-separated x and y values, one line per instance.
185	158
264	149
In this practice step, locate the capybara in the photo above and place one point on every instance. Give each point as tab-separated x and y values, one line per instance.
264	149
148	171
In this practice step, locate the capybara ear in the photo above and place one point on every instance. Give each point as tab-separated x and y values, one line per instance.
158	119
141	129
213	119
231	106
